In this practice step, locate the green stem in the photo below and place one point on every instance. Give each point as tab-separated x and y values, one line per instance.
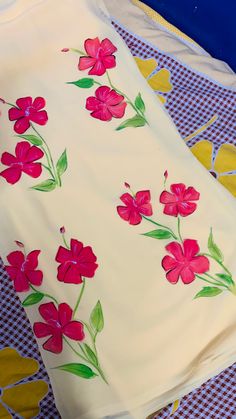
45	295
92	336
210	282
179	230
161	225
129	101
65	242
97	367
219	263
46	167
48	156
77	50
79	298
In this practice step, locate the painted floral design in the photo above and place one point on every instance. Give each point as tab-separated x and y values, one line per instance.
180	200
23	162
185	260
135	207
108	101
19	395
23	270
59	323
106	104
99	56
27	112
75	263
61	326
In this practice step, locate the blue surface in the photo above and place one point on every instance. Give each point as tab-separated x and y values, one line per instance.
210	23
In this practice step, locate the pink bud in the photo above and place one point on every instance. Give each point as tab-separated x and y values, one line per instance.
166	174
65	49
127	185
62	230
2	100
19	243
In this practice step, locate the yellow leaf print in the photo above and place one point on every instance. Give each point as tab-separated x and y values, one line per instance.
22	398
223	166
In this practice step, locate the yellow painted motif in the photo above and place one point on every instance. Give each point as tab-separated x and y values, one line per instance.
221	165
22	398
160	81
175	407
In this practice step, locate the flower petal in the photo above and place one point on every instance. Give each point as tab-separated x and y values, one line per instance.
191	194
127	199
98	69
169	263
203	151
31	261
124	212
146	67
34	153
178	189
32	169
171	209
65	313
8	159
135	217
186	208
87	255
187	275
69	273
21	283
191	248
200	264
108	47
15	113
76	247
16	258
21	125
173	275
54	343
12	272
161	81
21	150
74	330
118	111
63	255
142	197
40	117
42	330
48	312
176	250
103	93
167	198
12	175
103	114
86	62
24	102
39	103
24	398
229	182
111	98
109	61
92	103
92	46
35	277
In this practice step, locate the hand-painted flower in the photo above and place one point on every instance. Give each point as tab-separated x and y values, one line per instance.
75	262
99	56
106	104
22	162
28	110
135	207
22	270
185	262
59	323
179	201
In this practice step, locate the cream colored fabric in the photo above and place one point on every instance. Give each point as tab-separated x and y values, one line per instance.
157	343
134	16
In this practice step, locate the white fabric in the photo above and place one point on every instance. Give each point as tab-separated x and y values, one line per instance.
158	343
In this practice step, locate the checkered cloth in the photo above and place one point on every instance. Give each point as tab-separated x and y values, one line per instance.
192	102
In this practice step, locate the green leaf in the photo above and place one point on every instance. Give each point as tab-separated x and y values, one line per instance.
62	163
159	234
80	370
227	278
84	83
96	318
34	298
136	121
91	355
46	186
139	103
208	292
214	249
33	139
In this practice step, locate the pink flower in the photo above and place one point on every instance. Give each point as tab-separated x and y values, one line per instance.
135	207
179	202
22	270
106	104
185	262
99	57
28	110
75	262
59	323
22	162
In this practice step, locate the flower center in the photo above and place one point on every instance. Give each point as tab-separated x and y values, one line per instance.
22	267
27	111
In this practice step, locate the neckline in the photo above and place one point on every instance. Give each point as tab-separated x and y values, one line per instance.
11	9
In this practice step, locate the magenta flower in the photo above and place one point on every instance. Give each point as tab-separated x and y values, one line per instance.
59	323
22	162
135	207
179	200
185	262
106	104
28	110
99	57
75	262
22	270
